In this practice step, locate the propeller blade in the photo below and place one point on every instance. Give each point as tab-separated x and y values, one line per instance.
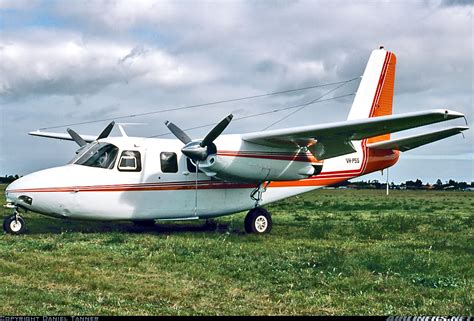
180	134
216	131
105	133
76	137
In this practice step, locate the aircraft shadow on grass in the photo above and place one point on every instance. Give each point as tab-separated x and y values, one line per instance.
71	226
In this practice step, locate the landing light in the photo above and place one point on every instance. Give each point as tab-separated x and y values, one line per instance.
26	199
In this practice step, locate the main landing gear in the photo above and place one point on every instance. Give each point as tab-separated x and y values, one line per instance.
258	220
14	224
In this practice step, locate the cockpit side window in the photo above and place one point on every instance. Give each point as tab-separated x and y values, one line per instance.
101	155
130	161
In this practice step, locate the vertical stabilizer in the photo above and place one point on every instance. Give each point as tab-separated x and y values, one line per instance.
375	93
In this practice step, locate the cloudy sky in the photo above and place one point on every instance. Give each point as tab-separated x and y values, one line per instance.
64	62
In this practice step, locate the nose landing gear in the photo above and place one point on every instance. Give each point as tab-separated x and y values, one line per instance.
14	224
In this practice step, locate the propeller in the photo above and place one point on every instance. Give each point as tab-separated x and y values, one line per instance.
81	142
76	137
105	133
181	135
199	150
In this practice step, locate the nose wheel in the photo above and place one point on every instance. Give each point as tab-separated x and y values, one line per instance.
258	221
14	224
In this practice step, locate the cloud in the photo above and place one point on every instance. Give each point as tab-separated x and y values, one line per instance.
456	3
52	63
121	15
18	4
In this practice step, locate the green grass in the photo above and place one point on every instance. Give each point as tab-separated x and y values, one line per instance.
330	252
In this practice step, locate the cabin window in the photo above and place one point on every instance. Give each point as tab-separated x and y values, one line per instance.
101	155
130	161
169	162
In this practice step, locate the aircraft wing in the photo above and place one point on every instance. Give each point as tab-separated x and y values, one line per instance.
334	139
411	142
62	136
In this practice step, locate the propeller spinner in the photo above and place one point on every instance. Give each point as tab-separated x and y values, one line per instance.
199	150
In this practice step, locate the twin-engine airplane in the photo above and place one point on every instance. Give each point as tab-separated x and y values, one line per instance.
146	179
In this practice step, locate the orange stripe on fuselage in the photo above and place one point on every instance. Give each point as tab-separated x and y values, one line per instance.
377	159
380	159
290	156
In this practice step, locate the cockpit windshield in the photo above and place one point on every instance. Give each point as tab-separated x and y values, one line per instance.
102	155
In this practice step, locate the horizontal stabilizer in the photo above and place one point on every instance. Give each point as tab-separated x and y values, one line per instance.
411	142
62	136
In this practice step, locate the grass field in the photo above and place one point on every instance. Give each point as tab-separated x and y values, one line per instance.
330	252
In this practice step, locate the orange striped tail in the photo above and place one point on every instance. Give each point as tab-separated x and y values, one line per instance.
374	96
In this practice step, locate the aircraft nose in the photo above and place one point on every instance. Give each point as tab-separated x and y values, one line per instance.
8	191
35	191
13	192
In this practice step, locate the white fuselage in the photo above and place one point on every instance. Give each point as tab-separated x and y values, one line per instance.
84	192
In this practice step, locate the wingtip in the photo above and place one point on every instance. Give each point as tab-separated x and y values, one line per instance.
452	113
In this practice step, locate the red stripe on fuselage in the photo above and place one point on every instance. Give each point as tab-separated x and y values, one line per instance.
318	180
297	157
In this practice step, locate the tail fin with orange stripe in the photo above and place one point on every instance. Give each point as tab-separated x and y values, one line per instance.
374	96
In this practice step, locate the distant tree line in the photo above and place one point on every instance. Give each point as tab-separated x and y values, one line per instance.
7	179
412	185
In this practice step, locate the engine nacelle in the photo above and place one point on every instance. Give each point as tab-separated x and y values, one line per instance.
254	169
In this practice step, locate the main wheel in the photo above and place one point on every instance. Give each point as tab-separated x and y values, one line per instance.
258	221
14	224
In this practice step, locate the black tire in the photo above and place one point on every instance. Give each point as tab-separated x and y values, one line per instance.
14	225
258	221
144	223
248	222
